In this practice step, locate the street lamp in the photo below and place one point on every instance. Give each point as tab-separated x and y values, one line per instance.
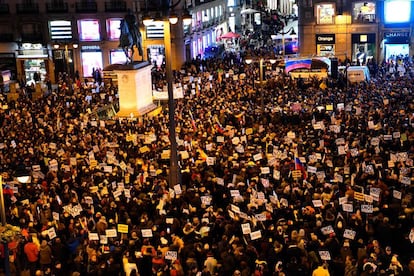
67	58
168	19
261	79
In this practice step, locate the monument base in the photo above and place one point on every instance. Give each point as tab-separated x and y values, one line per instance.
125	113
134	88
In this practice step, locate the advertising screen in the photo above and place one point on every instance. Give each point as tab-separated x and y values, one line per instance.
113	25
397	11
118	57
89	30
91	60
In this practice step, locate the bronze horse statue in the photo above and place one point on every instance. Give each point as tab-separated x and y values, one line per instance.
129	38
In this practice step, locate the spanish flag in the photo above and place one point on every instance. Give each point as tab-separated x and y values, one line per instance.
203	155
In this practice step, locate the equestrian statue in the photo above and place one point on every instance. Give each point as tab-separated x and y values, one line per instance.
130	37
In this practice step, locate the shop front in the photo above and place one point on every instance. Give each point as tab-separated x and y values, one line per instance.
325	45
363	48
91	59
33	63
396	44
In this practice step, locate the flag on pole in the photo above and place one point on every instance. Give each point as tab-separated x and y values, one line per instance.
203	155
193	122
218	126
300	167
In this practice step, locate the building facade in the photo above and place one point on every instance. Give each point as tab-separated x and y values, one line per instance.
46	37
357	30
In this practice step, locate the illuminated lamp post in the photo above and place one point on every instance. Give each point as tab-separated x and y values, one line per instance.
261	79
170	18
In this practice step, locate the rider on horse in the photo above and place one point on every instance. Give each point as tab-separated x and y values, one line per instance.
131	21
130	35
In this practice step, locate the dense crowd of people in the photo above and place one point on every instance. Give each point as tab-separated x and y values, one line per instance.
279	179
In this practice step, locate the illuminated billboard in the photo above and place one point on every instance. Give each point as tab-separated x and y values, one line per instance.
397	11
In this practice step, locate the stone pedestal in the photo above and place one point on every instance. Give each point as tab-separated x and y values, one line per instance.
134	89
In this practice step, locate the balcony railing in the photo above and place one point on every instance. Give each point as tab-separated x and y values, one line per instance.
4	8
86	7
27	8
59	7
115	6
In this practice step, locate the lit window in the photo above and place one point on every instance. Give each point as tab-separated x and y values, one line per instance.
325	13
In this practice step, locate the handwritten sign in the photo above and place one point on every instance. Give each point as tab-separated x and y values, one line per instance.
93	236
171	255
111	233
255	235
349	234
146	233
123	228
246	228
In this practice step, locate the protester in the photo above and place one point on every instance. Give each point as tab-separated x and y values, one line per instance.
277	185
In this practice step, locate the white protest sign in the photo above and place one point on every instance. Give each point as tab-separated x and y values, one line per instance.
111	233
146	233
317	203
171	255
103	239
260	217
349	234
93	236
257	157
246	228
255	235
348	207
325	255
51	233
206	200
234	193
396	194
367	208
177	189
265	170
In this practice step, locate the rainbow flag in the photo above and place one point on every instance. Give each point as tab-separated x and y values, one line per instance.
297	64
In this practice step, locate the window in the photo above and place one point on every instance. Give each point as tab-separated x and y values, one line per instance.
117	56
325	13
363	12
60	29
112	28
89	30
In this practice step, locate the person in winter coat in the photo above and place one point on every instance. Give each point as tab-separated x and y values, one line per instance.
32	254
45	255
